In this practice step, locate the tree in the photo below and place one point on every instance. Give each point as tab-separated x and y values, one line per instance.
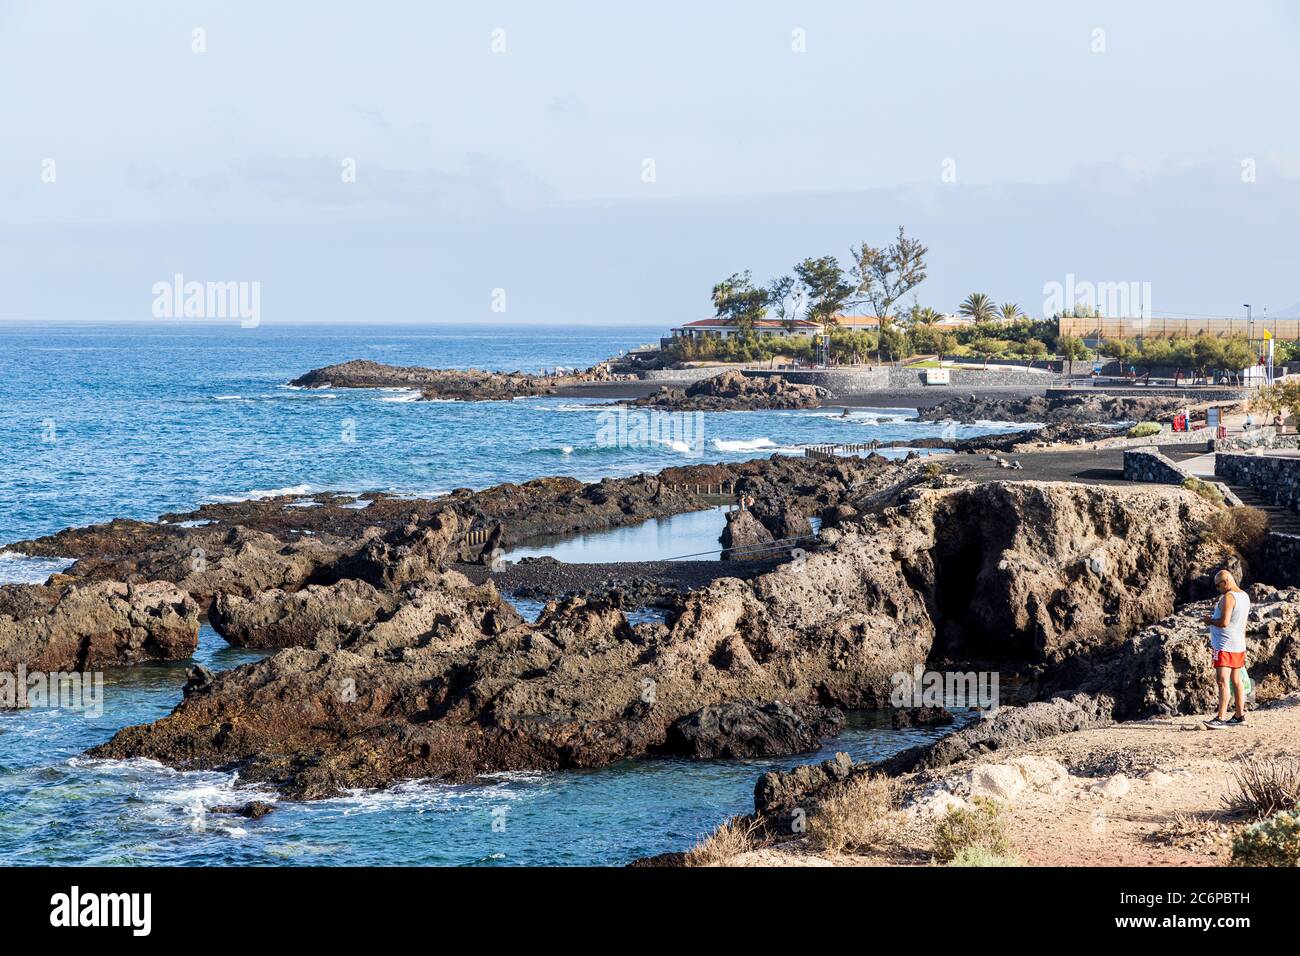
787	299
1237	355
923	316
927	338
1034	349
736	300
1071	348
883	276
977	306
1121	350
894	343
822	282
987	348
1010	312
1207	353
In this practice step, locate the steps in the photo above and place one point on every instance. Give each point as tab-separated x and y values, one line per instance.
1279	519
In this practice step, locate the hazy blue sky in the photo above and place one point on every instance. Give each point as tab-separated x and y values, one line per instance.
1114	155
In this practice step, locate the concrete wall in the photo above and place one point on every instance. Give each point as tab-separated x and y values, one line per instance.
865	379
1277	479
681	376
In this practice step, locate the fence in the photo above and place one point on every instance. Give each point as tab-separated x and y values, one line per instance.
830	451
1106	328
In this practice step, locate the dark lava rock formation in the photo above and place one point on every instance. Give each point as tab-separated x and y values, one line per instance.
734	391
1075	409
452	684
465	385
83	628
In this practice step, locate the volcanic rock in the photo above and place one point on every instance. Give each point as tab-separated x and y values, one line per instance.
83	628
735	391
745	729
466	385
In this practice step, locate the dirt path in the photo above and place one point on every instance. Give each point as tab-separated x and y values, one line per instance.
1144	793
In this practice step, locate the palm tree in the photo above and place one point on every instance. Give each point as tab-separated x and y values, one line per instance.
1010	312
924	315
977	306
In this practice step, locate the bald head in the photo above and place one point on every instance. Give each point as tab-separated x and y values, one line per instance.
1224	580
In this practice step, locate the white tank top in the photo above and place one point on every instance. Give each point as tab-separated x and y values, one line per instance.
1232	636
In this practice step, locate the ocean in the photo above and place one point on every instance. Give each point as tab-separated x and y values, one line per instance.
104	421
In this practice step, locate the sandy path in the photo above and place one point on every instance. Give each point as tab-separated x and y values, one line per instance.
1123	789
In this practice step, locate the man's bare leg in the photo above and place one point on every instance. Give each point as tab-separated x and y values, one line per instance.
1225	674
1239	685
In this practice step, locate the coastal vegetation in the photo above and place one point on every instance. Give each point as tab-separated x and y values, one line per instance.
860	815
1271	842
977	828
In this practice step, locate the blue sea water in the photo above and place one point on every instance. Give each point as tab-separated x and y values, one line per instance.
103	421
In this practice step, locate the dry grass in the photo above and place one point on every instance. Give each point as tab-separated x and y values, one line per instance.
964	828
1244	529
724	844
1186	829
1262	787
1203	488
862	814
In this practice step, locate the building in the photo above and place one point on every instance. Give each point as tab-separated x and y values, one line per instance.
724	329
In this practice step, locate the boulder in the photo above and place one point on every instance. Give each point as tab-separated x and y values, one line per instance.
85	628
745	538
744	729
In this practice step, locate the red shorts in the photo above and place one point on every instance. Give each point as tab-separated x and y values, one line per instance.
1230	659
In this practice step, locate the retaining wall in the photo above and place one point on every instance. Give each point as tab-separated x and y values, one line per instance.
1275	478
864	379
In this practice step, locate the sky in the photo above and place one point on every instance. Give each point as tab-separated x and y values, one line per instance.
608	163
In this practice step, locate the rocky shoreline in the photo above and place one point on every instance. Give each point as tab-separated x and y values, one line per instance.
733	392
1061	409
395	655
460	385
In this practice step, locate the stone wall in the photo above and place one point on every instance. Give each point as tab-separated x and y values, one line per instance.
682	376
1264	437
1147	464
864	379
1275	478
1282	558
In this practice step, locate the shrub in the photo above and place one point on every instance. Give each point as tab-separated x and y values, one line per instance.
859	815
1262	787
1144	430
1271	842
980	856
978	826
724	844
1203	488
1244	529
932	470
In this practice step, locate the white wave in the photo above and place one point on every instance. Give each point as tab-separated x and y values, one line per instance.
18	568
400	395
743	444
567	449
258	494
228	398
1007	426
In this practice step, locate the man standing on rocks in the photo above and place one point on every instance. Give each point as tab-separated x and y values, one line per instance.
1228	640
